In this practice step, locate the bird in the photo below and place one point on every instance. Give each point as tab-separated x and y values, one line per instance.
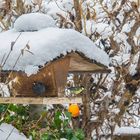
76	90
39	88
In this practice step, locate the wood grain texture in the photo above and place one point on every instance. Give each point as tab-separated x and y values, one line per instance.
53	76
39	100
81	64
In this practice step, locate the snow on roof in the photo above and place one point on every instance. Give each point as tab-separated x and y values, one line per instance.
8	132
44	45
127	130
33	22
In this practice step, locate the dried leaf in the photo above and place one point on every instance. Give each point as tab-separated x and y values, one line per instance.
12	45
22	51
30	52
20	6
37	2
28	47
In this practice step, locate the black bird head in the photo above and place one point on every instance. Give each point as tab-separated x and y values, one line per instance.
39	88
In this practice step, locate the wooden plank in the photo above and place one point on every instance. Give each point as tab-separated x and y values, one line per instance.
60	69
22	85
40	100
80	64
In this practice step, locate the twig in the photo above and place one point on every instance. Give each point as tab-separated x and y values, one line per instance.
11	50
20	55
59	6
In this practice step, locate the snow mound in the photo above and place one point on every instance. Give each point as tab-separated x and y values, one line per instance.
126	130
8	132
33	22
44	46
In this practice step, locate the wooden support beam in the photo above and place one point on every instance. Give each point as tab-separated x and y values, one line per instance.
40	100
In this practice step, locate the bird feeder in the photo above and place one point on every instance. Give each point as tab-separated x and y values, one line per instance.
56	52
52	78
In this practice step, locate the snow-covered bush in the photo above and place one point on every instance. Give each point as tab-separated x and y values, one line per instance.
33	22
114	26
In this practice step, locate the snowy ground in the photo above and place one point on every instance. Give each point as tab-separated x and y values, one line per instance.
127	131
8	132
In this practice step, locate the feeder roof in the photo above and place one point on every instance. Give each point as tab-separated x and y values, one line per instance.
44	46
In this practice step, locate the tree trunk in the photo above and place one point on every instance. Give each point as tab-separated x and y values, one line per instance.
78	22
84	122
86	108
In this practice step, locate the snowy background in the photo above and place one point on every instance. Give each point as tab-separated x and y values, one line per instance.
112	30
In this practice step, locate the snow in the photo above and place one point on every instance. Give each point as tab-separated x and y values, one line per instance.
126	130
137	37
133	66
138	92
90	27
61	7
45	45
30	69
103	29
127	27
121	59
120	37
33	22
115	111
8	132
4	90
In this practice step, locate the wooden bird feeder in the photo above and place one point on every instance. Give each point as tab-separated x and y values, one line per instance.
48	84
53	76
